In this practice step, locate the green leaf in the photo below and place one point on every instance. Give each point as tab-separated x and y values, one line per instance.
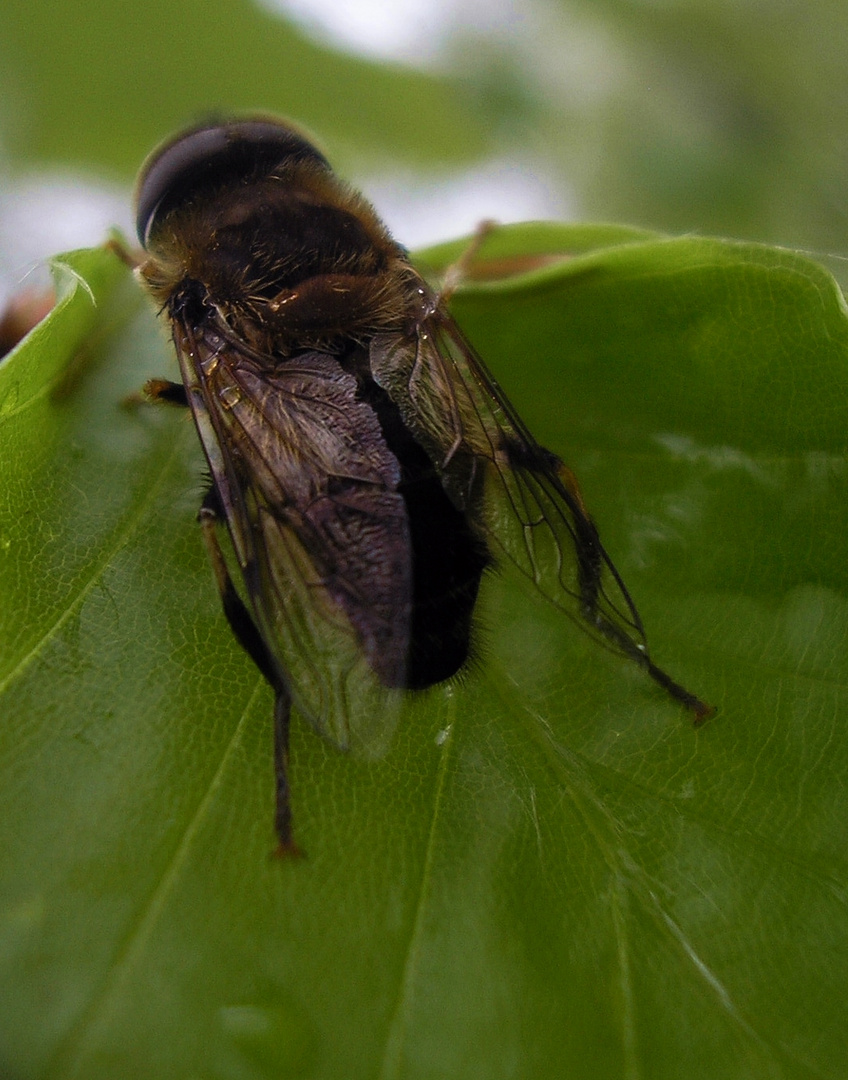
66	96
551	873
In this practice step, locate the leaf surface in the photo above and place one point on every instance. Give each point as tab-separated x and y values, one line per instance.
550	873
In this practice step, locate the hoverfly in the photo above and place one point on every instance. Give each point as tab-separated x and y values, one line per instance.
366	465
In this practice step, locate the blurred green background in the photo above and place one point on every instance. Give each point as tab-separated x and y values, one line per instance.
715	116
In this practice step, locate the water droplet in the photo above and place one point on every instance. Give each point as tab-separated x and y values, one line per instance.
443	736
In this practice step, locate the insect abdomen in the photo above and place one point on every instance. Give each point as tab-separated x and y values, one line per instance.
448	556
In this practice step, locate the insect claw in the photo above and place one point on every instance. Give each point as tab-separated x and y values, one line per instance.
701	710
288	849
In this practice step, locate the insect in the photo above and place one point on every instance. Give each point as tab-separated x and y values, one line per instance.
366	465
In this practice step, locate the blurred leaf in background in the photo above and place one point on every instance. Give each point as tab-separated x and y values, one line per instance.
716	117
87	90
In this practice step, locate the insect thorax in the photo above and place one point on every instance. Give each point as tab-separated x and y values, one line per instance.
288	251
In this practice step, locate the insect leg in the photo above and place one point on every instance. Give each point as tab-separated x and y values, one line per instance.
283	815
239	618
701	710
171	393
248	636
587	544
459	270
158	391
592	562
133	259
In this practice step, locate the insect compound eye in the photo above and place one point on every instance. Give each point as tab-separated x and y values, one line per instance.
212	153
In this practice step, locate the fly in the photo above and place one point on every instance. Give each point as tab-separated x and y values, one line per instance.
367	467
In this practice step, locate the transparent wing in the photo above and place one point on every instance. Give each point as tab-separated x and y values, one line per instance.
307	487
524	499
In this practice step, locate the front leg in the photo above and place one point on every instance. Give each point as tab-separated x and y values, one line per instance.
159	391
170	393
